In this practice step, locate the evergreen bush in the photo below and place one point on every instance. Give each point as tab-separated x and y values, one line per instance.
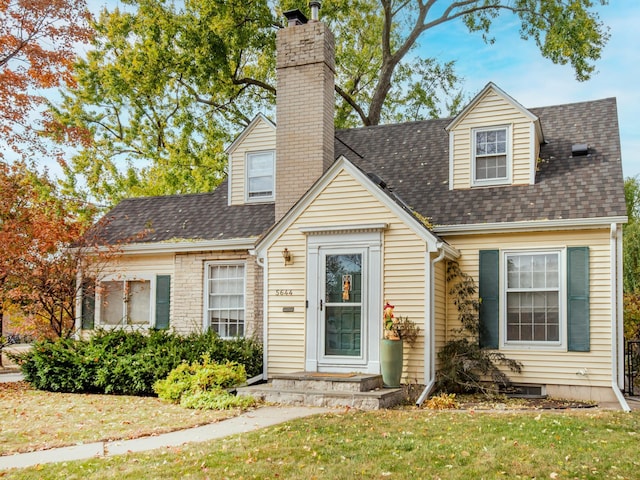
128	362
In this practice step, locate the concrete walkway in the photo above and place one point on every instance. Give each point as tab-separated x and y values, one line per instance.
11	377
249	421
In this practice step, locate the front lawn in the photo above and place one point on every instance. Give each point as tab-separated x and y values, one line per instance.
35	420
397	444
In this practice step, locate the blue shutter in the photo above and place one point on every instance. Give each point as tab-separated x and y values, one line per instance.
489	291
578	299
163	295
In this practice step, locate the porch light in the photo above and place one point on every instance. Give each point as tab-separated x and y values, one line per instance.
288	257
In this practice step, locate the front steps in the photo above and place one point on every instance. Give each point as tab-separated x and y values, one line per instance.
361	391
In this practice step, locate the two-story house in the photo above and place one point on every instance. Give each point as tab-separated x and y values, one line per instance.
314	229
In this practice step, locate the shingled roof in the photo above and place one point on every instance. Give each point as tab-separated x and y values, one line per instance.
413	160
205	216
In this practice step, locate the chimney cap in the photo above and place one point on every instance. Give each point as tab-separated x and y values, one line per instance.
295	17
315	8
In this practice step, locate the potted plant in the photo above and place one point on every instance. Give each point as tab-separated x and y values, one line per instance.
395	330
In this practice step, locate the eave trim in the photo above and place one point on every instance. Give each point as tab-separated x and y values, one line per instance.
340	229
527	226
185	246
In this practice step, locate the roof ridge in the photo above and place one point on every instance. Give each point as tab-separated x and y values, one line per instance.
397	125
173	195
582	102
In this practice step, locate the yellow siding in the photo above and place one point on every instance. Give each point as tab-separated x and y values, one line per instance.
553	366
343	202
440	305
139	264
261	137
492	110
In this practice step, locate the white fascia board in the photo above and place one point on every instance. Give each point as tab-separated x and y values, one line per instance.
528	226
186	246
431	240
490	86
333	171
240	138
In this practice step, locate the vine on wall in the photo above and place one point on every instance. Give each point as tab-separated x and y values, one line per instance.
464	366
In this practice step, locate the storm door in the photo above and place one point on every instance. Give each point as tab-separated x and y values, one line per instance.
341	305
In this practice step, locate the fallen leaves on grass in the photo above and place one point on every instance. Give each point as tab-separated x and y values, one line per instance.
37	420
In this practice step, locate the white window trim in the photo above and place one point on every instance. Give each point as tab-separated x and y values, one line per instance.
151	278
264	199
492	181
205	303
561	344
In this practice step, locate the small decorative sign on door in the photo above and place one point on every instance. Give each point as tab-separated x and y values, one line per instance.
346	287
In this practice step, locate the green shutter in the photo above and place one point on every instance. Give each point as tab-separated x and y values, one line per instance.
88	304
489	291
163	295
578	298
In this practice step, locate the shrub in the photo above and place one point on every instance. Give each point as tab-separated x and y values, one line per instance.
216	399
464	366
127	362
58	366
203	385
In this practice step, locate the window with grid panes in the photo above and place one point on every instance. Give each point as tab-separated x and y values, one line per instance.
226	299
533	297
490	155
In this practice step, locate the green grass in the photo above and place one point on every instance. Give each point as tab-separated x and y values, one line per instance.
35	420
397	444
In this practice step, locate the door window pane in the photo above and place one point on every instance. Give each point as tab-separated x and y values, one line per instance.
343	299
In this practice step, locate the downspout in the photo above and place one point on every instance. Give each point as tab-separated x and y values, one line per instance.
78	301
261	263
430	339
616	315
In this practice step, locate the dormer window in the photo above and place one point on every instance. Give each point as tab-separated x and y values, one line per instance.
260	175
491	156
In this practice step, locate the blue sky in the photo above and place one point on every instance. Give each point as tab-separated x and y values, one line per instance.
518	68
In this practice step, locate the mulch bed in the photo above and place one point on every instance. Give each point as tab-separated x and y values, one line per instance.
480	402
501	402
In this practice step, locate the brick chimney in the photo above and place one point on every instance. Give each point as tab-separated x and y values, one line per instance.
305	68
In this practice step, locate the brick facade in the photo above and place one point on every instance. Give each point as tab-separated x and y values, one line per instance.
187	299
304	110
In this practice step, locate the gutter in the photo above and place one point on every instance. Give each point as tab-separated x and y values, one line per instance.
430	339
527	226
617	337
184	246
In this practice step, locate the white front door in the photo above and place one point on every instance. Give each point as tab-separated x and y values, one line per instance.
343	286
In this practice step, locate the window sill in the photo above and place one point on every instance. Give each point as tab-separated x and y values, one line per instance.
533	347
491	183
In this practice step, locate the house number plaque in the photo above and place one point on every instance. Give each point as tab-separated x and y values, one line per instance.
284	293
